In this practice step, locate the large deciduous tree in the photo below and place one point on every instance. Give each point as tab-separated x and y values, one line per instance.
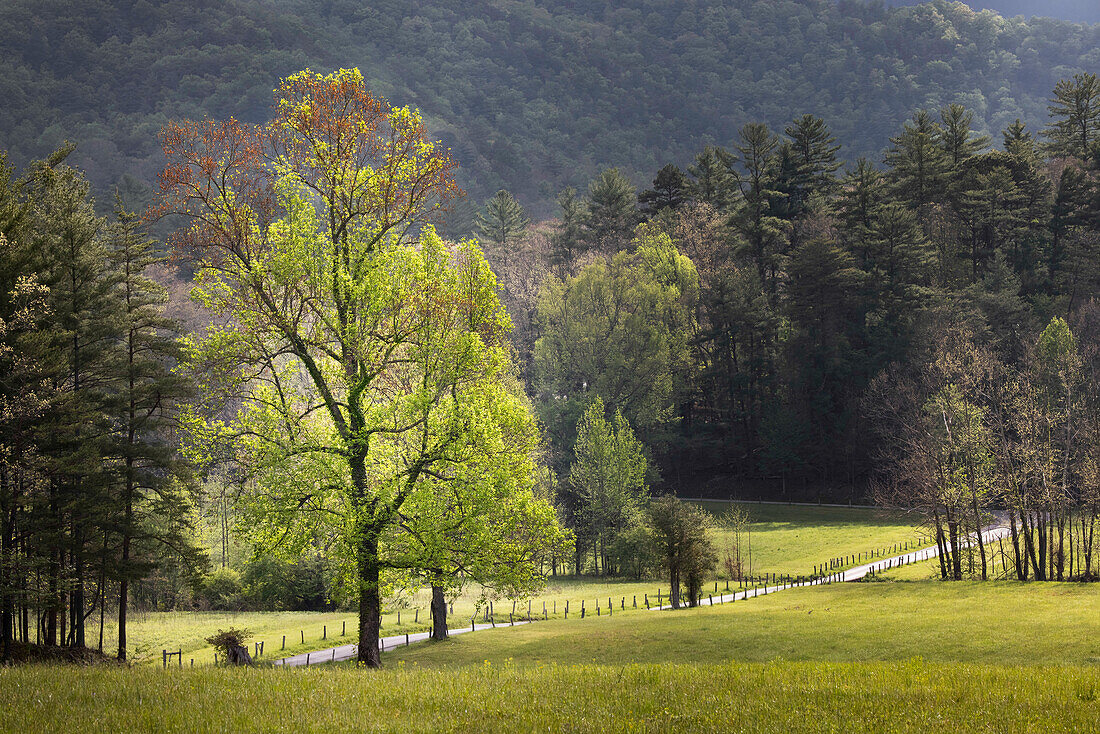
355	334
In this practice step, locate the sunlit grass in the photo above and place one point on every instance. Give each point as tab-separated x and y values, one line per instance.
787	539
986	622
907	696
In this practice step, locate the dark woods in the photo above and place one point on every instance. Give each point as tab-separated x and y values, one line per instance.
93	495
815	351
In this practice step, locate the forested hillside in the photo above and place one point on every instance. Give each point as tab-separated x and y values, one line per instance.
1078	11
532	96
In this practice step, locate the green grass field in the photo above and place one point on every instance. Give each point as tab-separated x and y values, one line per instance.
785	539
901	697
1004	623
792	539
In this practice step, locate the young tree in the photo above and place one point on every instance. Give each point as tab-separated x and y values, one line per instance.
608	480
502	224
479	520
344	329
683	532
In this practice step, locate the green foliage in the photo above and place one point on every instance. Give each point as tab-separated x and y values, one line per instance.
526	100
618	329
222	589
683	534
503	223
226	640
606	479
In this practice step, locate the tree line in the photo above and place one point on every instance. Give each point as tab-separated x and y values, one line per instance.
739	314
93	490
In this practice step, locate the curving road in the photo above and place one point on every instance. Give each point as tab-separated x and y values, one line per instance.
348	652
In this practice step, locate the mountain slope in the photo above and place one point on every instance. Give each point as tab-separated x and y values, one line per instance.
532	95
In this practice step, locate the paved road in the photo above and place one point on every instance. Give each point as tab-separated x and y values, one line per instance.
347	652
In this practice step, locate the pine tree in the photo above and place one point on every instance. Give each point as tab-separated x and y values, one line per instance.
957	136
917	162
567	241
713	180
151	475
670	190
502	224
1075	112
69	240
610	214
813	149
763	232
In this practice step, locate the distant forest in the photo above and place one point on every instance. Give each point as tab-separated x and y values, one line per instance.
531	96
1077	11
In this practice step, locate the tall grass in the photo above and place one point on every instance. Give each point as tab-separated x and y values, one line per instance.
909	696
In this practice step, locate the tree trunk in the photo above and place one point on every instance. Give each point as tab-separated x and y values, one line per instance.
1021	562
674	586
439	614
370	598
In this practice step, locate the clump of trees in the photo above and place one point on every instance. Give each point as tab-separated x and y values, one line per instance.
741	326
94	494
974	441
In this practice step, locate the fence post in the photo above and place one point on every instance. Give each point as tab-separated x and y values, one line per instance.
164	658
180	653
324	631
307	659
284	643
303	636
344	628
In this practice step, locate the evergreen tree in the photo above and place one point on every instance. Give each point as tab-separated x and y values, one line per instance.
610	215
566	242
1075	111
713	181
917	162
502	224
670	190
762	231
813	149
151	475
957	136
69	239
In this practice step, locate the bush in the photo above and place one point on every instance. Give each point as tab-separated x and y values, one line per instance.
222	589
275	584
636	552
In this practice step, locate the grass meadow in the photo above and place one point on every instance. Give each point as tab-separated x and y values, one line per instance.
999	623
898	697
785	539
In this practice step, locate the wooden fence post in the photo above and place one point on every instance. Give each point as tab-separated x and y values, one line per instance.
284	643
303	636
164	658
324	631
